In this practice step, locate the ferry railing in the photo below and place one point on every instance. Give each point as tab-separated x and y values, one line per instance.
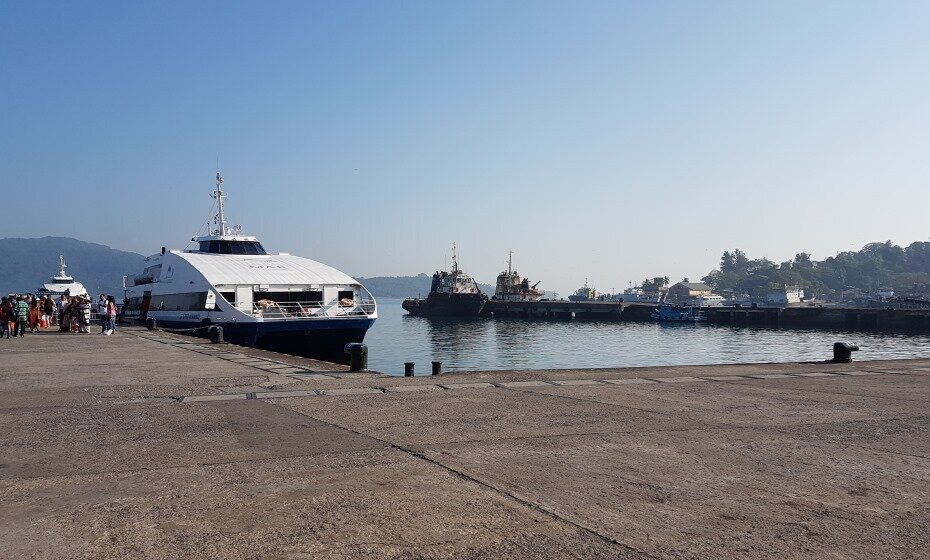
284	310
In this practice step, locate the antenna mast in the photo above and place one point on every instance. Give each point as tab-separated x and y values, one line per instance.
455	258
218	194
510	263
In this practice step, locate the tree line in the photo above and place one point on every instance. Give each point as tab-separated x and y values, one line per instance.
877	265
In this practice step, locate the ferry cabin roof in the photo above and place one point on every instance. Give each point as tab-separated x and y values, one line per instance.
277	270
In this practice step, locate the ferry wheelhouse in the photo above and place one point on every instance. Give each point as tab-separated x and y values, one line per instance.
277	301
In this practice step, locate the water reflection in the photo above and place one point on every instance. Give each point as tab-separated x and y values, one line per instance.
474	344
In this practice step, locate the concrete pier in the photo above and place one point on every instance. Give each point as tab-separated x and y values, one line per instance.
149	445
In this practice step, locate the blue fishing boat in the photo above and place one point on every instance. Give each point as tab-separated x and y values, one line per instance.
678	314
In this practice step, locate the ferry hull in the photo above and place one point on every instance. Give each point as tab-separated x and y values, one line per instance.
324	340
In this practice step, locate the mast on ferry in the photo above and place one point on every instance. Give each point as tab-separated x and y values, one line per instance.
219	195
61	271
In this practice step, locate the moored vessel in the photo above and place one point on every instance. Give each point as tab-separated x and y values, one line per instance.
452	293
584	293
277	301
678	314
61	284
510	287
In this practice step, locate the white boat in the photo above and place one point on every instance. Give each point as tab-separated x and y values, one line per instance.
634	294
62	283
277	301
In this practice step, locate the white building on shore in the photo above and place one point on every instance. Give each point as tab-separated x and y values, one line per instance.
786	296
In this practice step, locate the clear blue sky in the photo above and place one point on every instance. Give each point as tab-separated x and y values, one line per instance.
612	140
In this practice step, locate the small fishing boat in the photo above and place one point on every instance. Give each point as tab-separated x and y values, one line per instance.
678	314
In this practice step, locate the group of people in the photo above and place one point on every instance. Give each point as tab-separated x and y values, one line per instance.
70	313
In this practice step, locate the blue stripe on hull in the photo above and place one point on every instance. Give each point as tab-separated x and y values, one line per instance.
312	339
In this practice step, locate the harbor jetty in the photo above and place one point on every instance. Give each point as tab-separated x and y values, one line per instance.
151	445
796	316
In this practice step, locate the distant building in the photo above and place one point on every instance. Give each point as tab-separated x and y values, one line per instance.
688	290
786	296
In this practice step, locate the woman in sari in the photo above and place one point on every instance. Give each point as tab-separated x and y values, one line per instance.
35	316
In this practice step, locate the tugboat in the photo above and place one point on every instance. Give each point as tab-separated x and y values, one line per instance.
63	283
511	288
452	294
278	302
584	293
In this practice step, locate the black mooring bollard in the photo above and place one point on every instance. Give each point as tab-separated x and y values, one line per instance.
842	352
358	356
408	369
150	323
437	368
216	335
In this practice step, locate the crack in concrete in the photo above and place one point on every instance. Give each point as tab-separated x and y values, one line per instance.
526	502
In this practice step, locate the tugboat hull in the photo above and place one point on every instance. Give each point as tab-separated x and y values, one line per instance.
446	305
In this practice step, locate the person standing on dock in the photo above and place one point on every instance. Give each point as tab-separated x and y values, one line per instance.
7	316
111	313
60	306
48	310
102	314
22	316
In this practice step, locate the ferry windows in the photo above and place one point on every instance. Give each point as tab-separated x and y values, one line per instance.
179	302
226	247
229	296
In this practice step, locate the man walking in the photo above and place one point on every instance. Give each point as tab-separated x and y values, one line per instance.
102	314
22	316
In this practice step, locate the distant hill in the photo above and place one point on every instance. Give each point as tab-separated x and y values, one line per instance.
405	286
26	264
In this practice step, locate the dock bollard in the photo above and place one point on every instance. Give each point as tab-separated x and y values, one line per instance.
150	323
437	368
358	356
842	352
216	335
408	369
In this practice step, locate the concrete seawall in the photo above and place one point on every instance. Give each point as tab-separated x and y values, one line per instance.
149	445
824	317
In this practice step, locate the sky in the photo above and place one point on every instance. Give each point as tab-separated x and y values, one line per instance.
607	141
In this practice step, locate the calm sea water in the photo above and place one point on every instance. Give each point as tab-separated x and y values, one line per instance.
488	344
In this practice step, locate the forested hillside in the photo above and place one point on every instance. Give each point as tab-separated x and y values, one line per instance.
875	266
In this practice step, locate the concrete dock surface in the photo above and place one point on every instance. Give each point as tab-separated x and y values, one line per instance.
151	445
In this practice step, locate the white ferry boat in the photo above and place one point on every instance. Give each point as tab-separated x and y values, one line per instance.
62	283
277	301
